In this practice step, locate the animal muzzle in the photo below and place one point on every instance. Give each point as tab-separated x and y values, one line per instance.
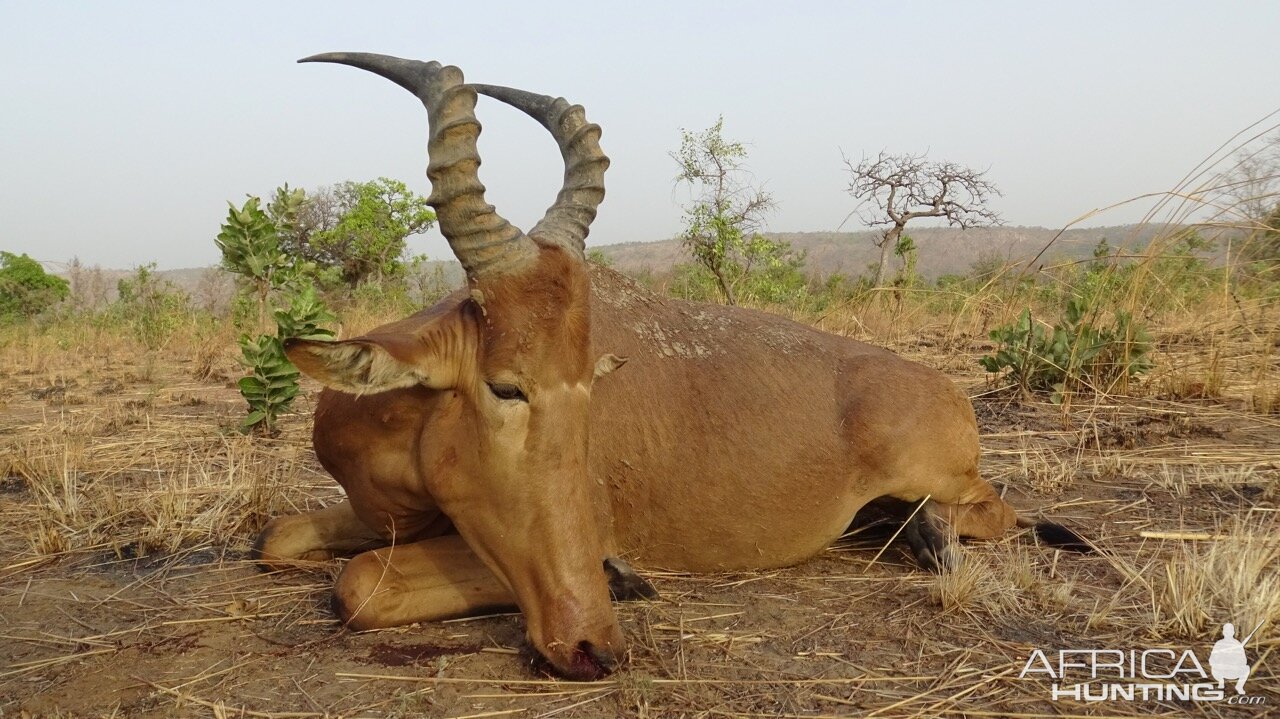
585	655
585	662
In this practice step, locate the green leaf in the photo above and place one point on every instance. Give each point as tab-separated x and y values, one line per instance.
283	383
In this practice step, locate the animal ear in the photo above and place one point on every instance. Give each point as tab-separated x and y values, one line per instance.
606	364
370	364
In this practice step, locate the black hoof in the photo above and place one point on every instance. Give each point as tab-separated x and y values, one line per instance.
625	584
929	542
1056	535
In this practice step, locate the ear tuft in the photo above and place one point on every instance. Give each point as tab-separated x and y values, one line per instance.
357	366
608	363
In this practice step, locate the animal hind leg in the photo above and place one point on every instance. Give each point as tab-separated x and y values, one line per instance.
976	511
313	536
980	513
624	583
917	522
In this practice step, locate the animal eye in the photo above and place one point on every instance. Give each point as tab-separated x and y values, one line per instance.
502	390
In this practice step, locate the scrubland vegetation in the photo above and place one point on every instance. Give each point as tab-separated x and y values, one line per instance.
1135	398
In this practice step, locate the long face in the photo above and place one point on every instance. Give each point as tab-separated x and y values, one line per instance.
507	454
514	479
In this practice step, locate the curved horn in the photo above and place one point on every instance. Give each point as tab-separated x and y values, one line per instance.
482	240
568	221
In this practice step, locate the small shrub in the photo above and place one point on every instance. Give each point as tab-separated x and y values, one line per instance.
270	281
272	382
152	307
1073	354
773	275
598	257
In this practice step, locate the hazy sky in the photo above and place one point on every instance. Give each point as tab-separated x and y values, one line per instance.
126	127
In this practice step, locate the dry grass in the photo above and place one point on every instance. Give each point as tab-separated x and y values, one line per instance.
134	474
128	501
1236	575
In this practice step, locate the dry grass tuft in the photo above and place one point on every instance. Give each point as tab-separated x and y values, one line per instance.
975	587
132	474
1048	472
1236	575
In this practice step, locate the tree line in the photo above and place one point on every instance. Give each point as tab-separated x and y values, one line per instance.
728	211
726	216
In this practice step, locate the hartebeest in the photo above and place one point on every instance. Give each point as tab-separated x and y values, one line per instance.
486	463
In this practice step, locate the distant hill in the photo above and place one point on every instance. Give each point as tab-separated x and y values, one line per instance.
942	250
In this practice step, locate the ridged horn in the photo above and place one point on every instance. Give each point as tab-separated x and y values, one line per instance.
484	242
568	221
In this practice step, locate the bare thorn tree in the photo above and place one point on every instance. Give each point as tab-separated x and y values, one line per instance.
1253	183
896	189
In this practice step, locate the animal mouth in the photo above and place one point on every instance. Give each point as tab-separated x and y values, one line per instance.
587	663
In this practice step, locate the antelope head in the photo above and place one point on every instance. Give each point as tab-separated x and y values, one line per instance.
507	454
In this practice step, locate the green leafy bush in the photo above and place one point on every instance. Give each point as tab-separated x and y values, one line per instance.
270	281
272	382
26	289
1172	275
250	245
355	232
1075	353
769	272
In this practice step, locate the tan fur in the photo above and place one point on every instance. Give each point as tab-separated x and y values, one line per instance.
731	440
509	476
474	441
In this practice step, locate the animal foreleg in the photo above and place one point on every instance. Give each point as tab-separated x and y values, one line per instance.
313	536
440	578
428	580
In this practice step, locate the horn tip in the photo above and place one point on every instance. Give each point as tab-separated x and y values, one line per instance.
324	57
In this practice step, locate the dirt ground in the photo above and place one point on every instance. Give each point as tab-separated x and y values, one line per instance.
128	503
